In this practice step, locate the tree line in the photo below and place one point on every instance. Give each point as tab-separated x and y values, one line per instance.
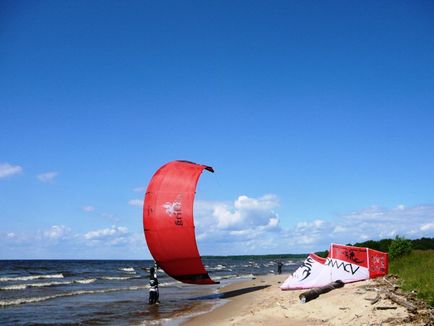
384	245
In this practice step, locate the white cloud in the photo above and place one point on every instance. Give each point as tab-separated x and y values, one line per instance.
88	208
244	226
116	236
244	213
250	225
339	229
225	217
265	202
427	227
60	242
47	177
139	189
108	233
273	222
240	226
370	223
56	232
380	222
136	202
7	170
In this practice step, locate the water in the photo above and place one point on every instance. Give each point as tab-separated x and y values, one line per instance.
97	292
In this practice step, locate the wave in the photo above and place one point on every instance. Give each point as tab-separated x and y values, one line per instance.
46	284
248	276
128	269
217	268
224	277
32	277
85	281
167	284
24	286
118	278
12	302
33	285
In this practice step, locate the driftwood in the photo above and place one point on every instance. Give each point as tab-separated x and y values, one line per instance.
401	302
385	307
419	312
315	293
374	300
393	286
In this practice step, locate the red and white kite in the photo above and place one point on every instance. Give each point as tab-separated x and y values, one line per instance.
345	263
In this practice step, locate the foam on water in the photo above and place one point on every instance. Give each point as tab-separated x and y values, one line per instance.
45	284
167	284
118	278
219	267
30	277
18	301
85	281
33	285
44	291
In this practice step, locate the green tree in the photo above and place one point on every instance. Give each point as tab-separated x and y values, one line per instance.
399	247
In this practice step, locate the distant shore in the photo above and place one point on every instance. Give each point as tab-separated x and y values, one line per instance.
260	301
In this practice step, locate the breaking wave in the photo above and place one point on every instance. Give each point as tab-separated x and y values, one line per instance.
85	281
127	269
224	277
118	278
28	278
11	302
33	285
219	267
167	284
45	284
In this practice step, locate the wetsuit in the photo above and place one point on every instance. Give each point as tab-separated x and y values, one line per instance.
153	287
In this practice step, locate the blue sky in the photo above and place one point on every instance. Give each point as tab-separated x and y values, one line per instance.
317	117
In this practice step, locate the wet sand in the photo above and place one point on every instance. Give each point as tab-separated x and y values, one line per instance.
260	301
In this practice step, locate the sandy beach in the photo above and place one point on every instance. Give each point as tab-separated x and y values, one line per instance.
260	301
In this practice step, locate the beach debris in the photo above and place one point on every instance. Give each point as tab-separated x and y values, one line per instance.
392	291
385	307
394	286
401	301
419	312
374	300
315	293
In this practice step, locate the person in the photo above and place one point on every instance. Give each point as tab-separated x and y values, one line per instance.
154	292
279	267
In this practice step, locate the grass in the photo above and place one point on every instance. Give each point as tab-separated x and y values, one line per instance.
416	272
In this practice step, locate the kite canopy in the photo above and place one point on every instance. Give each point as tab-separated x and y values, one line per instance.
168	221
345	263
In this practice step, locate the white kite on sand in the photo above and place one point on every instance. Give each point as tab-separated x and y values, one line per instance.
345	263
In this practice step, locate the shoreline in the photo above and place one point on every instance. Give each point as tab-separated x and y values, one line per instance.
260	301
